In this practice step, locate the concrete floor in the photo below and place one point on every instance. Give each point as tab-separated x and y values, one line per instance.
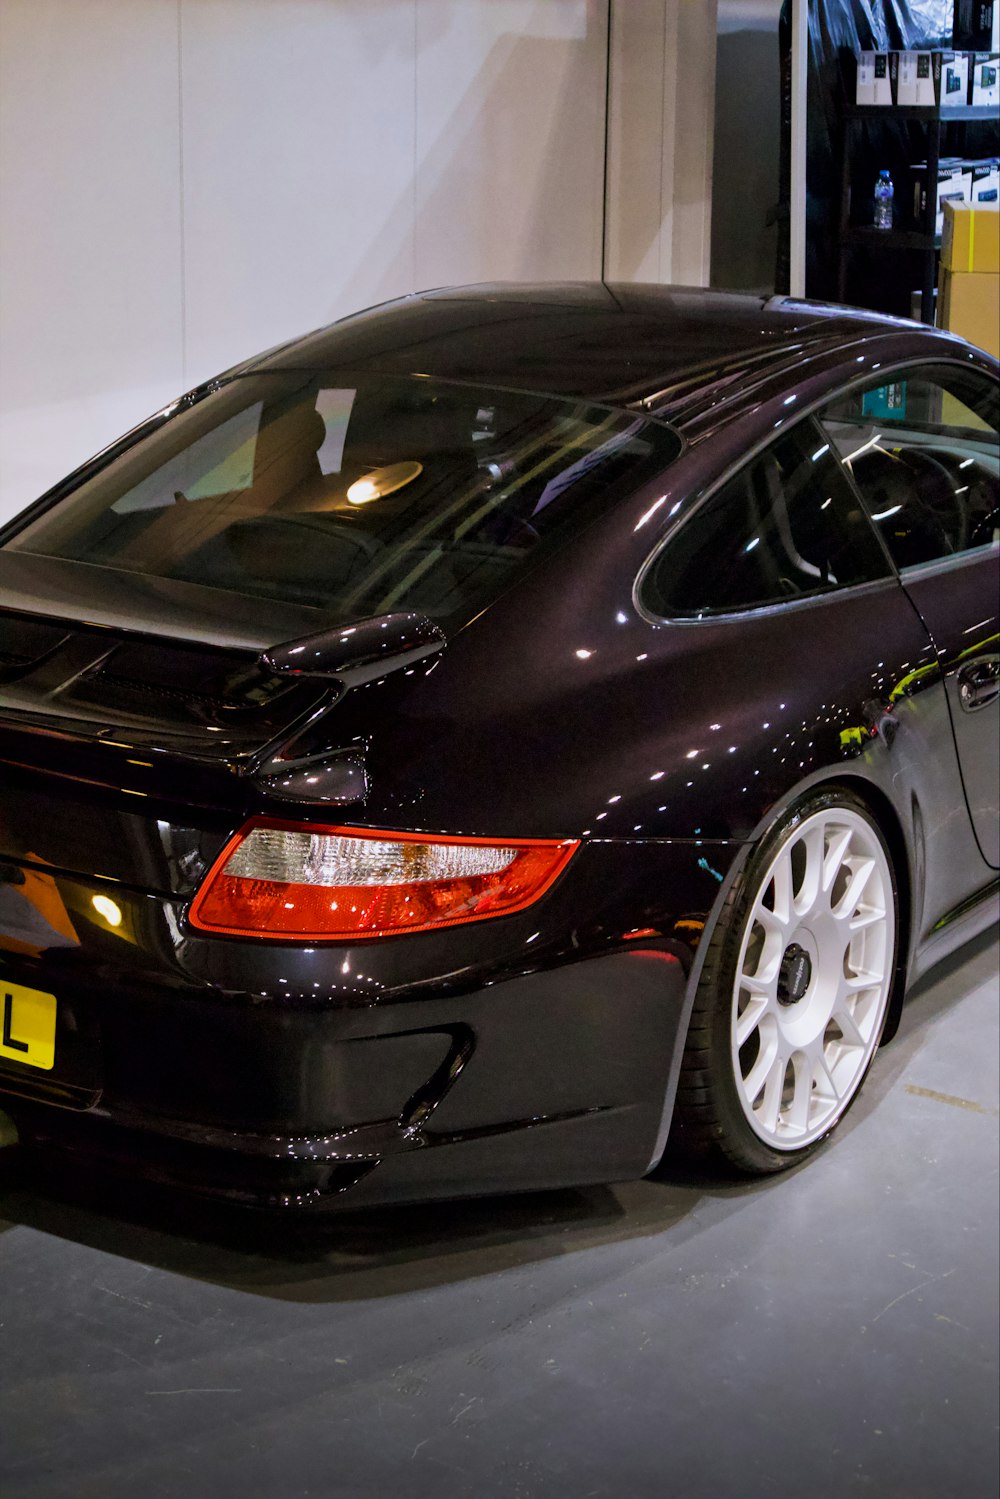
830	1333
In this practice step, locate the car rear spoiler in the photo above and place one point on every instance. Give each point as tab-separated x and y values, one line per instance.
357	652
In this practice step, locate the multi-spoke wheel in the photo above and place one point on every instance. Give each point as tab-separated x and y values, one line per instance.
795	987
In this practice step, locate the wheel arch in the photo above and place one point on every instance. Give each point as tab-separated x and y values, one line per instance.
705	1106
890	824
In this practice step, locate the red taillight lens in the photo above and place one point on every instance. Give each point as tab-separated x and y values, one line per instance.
298	882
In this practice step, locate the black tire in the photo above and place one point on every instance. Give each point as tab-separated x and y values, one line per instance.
711	1113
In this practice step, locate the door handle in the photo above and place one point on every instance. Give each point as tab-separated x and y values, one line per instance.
979	683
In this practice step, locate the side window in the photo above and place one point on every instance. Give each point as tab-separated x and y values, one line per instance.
924	452
788	524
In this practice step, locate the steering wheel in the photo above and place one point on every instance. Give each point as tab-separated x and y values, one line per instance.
934	489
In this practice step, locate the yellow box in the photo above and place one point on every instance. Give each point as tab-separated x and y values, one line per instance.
969	305
971	238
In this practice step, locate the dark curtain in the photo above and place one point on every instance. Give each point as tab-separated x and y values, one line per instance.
837	30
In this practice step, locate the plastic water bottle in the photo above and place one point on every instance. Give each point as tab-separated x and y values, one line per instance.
883	200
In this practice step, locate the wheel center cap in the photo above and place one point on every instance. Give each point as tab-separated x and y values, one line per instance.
794	975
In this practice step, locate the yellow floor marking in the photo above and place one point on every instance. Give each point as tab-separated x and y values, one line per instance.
958	1103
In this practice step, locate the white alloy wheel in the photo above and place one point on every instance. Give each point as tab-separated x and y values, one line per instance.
813	977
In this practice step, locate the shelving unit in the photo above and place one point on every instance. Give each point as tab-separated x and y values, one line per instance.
918	237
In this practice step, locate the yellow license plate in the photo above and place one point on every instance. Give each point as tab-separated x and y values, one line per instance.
28	1031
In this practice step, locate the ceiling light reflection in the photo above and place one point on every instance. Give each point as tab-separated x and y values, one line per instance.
383	481
109	909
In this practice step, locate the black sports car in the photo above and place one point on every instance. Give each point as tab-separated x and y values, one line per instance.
441	752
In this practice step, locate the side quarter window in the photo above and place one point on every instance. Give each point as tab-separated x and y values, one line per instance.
786	525
924	452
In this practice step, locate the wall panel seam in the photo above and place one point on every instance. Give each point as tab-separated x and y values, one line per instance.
413	175
607	138
181	192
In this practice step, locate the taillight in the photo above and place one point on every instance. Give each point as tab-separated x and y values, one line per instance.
299	882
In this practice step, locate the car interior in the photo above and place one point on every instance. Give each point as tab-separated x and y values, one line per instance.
784	526
297	496
927	465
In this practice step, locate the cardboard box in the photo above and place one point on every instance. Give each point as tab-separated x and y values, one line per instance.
916	79
971	239
976	25
951	79
969	305
984	83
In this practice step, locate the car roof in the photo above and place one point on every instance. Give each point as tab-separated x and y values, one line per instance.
662	348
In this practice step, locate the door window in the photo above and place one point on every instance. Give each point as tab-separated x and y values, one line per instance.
786	525
923	450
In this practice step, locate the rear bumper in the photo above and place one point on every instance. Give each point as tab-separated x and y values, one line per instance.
555	1078
533	1051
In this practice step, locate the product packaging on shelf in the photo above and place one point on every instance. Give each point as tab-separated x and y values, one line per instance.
874	84
976	25
916	79
984	85
984	179
951	79
948	80
954	185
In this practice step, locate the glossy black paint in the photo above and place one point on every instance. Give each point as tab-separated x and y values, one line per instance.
360	652
138	730
943	595
670	349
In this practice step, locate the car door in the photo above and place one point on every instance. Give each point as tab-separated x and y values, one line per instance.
922	448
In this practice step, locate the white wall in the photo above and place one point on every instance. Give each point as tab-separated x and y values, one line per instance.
661	120
90	236
185	182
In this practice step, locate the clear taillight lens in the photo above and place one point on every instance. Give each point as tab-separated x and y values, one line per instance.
301	883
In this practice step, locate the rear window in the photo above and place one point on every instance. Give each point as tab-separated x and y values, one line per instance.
355	496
